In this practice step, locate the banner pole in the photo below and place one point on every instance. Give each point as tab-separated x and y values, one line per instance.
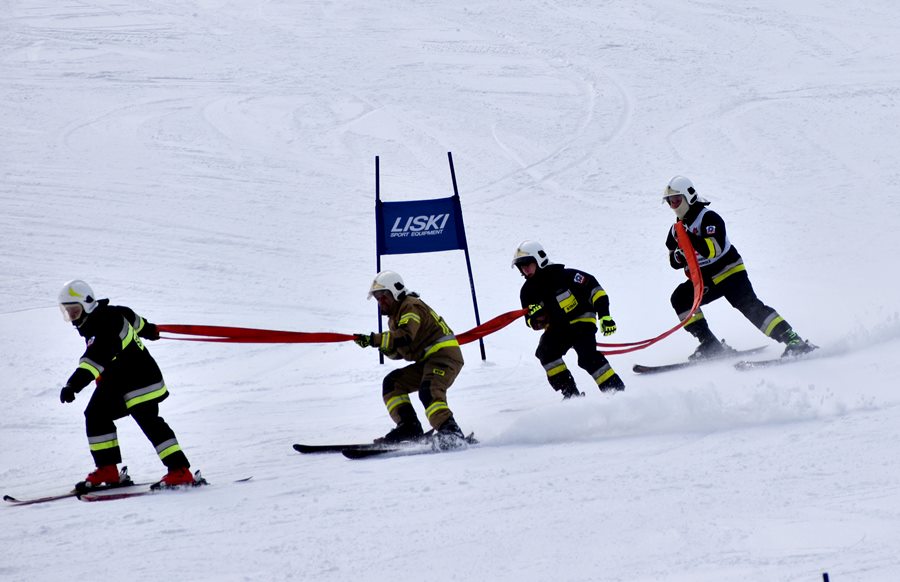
378	236
462	231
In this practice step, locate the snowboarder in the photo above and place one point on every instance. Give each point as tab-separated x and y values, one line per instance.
419	335
565	304
128	382
723	273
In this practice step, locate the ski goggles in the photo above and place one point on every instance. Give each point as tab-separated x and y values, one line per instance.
674	200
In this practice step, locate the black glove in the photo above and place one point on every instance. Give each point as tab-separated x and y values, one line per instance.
364	340
536	317
150	332
607	325
67	394
678	258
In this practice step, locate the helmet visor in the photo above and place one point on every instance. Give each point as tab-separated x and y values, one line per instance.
673	200
71	311
522	261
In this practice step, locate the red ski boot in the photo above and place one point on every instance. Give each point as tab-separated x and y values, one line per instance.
105	476
176	477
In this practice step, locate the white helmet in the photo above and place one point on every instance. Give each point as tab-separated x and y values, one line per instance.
679	185
528	251
76	298
388	281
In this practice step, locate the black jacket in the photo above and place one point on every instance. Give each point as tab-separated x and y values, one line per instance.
568	296
717	257
116	355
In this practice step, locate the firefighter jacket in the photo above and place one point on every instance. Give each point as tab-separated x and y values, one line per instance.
717	257
116	357
417	333
567	296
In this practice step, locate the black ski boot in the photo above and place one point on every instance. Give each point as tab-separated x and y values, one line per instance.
449	436
565	384
572	392
709	349
613	384
795	345
409	429
405	432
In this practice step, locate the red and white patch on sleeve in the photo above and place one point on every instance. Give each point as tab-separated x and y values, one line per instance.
579	278
711	229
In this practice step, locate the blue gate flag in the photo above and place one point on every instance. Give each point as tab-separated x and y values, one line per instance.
420	226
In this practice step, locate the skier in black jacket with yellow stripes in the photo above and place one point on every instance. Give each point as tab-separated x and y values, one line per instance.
723	272
565	304
128	382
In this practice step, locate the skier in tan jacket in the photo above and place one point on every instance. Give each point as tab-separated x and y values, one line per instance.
416	334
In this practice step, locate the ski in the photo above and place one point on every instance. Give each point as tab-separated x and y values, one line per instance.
45	499
784	359
403	450
393	451
752	364
72	493
316	449
153	489
331	448
731	353
124	482
744	365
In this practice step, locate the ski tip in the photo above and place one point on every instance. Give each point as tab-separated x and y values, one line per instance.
10	498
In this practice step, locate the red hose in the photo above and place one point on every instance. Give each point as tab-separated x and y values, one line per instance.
216	333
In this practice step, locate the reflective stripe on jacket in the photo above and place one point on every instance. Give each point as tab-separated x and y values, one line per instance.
417	332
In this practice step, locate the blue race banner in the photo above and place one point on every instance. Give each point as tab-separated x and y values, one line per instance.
420	226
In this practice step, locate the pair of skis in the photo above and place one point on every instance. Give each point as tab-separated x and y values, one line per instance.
356	451
728	353
140	490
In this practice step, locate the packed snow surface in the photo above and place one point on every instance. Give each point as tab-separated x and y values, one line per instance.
213	162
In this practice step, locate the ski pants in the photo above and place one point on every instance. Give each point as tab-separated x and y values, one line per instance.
106	406
582	337
430	378
738	291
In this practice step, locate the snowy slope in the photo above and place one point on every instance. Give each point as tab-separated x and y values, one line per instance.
212	162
